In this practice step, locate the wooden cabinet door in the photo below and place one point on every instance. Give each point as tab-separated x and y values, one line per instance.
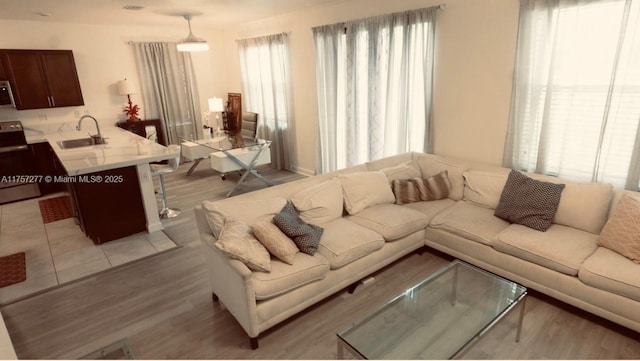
235	108
43	78
62	78
27	78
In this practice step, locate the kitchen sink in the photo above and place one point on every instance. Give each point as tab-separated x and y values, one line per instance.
76	143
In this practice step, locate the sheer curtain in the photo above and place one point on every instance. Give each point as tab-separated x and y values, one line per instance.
168	88
266	84
374	84
575	104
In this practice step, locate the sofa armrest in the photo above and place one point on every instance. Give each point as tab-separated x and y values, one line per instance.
6	347
231	281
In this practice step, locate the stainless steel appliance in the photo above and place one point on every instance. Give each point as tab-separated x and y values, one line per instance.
6	96
18	178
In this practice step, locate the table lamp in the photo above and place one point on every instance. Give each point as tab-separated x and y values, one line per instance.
216	105
125	87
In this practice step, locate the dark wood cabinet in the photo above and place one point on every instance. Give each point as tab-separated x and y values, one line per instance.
47	164
3	74
42	78
108	204
140	128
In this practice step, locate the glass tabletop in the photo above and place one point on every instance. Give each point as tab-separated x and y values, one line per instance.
437	318
227	142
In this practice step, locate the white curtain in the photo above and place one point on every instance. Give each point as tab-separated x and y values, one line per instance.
169	89
575	104
266	85
374	84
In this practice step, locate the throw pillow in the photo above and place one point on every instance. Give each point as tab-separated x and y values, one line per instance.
404	170
237	242
418	189
306	236
528	202
248	211
276	242
320	203
365	189
621	233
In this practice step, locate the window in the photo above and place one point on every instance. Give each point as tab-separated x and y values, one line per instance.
576	93
374	81
266	83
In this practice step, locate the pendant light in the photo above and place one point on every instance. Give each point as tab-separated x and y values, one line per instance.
191	42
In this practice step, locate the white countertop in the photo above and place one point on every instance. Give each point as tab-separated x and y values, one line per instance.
122	149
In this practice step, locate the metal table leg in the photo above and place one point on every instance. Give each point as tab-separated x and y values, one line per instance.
248	168
194	165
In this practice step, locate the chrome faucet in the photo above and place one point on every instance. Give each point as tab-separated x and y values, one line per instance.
97	139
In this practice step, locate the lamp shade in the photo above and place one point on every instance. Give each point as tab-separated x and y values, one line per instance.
125	87
216	105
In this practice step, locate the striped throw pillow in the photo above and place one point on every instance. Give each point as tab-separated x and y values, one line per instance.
419	189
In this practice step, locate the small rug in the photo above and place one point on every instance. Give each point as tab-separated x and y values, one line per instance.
117	351
12	269
55	209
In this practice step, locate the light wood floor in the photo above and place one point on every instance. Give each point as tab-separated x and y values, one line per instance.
163	306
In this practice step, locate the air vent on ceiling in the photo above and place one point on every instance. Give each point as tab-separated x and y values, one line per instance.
133	7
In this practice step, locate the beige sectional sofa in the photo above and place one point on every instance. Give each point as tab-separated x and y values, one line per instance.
364	230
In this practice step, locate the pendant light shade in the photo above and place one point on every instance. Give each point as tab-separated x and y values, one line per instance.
191	42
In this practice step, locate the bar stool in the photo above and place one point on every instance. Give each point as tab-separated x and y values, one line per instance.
162	169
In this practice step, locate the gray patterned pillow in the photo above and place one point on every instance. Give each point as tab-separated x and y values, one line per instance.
306	236
528	202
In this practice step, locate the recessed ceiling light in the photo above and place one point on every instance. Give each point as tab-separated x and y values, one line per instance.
133	7
43	14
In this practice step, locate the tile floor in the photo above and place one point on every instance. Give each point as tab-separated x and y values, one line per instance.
59	252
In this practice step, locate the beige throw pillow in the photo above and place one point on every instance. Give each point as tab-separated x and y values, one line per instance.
404	170
621	233
237	242
276	242
321	203
365	189
247	211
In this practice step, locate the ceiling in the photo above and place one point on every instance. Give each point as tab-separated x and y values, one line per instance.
206	13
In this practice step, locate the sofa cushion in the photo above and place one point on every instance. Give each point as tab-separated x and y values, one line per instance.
483	187
529	202
237	242
421	189
560	248
344	242
249	211
610	271
404	170
621	233
306	236
392	221
583	205
284	277
276	242
470	221
365	189
430	165
320	203
432	208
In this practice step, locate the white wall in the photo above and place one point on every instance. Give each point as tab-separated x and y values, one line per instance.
475	50
103	57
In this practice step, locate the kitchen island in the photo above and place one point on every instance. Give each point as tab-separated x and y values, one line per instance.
110	184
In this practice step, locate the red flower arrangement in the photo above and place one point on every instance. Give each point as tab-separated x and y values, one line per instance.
132	111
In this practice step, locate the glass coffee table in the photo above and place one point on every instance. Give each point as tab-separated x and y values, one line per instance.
439	318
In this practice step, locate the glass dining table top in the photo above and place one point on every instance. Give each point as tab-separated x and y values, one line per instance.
435	319
227	142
